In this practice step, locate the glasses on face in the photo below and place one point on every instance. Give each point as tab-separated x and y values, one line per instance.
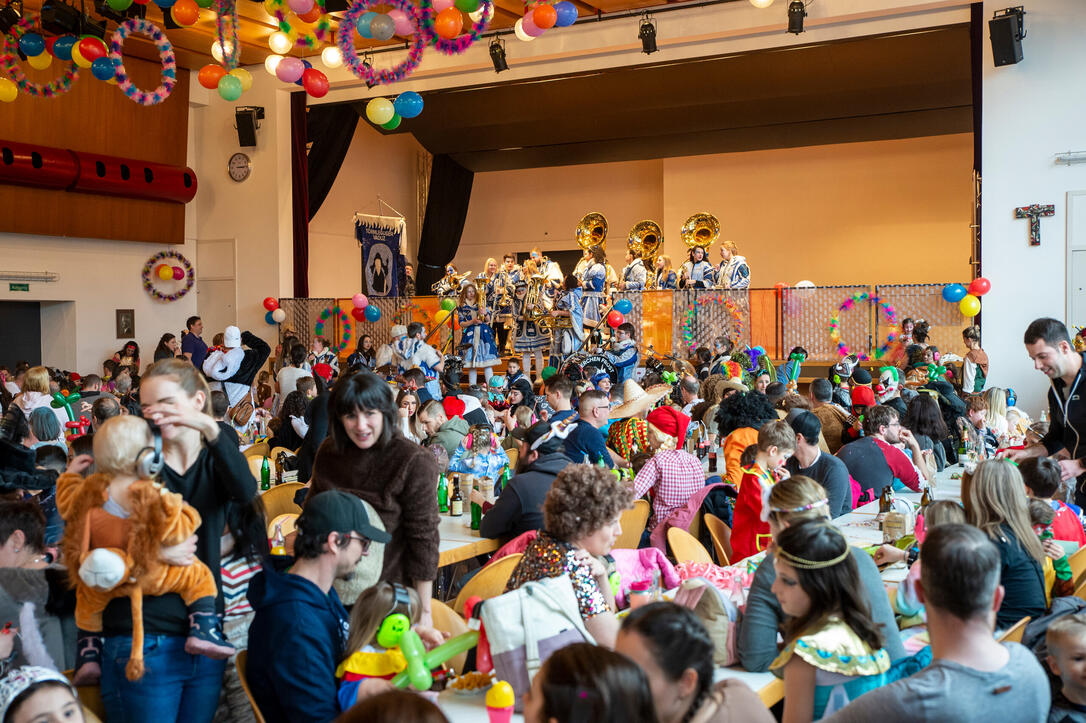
364	541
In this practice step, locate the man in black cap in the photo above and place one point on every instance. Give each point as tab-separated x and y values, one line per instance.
809	461
299	632
520	506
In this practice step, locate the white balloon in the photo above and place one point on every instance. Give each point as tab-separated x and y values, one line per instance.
805	284
279	315
761	3
518	30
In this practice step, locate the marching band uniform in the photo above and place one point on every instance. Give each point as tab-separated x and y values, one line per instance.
734	273
624	355
410	353
582	266
634	276
529	339
697	275
448	285
595	281
570	339
483	352
552	272
666	282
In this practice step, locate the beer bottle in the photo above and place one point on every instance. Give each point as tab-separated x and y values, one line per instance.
476	515
886	500
456	502
265	475
443	493
925	499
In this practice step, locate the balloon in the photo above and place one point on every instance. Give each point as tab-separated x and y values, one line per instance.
62	48
165	4
241	74
544	16
805	284
362	25
379	110
279	315
449	23
467	6
165	272
315	82
530	27
567	13
449	649
358	314
382	27
178	273
32	44
92	49
953	293
442	315
548	372
300	7
404	25
289	69
271	303
312	16
204	4
306	65
980	286
40	62
360	301
408	104
210	75
969	305
440	5
372	313
268	318
103	69
8	91
392	124
518	30
185	12
615	319
623	306
229	87
78	59
448	304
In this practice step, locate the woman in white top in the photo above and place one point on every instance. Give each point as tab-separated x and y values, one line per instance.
288	377
408	403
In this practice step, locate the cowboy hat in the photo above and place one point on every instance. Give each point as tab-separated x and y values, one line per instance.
636	400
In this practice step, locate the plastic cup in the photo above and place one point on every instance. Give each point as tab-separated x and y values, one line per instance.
500	715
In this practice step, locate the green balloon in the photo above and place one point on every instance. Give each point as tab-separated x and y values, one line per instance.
548	372
205	4
230	87
120	5
467	6
448	304
392	124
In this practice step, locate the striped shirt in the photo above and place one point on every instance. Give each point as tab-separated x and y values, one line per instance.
237	571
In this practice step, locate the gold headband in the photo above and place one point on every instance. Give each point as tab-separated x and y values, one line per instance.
805	564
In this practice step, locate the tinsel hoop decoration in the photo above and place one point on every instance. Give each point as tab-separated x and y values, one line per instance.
148	283
457	45
9	63
345	41
686	329
310	40
848	304
228	14
344	322
165	54
411	312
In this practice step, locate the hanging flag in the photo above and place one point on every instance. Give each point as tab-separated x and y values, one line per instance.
379	239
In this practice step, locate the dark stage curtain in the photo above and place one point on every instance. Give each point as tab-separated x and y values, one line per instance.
331	128
299	193
446	211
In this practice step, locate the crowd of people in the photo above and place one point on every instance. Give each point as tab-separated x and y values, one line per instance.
135	550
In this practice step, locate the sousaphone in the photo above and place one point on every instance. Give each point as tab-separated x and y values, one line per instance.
592	231
702	229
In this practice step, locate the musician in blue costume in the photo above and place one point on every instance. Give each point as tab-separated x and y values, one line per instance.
449	284
697	273
624	353
633	274
569	304
734	272
530	339
476	335
595	281
552	272
666	278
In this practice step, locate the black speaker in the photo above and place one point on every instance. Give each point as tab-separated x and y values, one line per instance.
246	120
1007	31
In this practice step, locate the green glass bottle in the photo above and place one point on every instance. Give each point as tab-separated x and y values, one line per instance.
265	475
442	493
476	515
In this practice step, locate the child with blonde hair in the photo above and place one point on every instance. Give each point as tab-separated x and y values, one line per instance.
1066	643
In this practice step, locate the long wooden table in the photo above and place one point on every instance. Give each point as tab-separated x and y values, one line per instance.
459	542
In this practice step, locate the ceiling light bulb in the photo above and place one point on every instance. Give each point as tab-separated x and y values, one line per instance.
220	51
518	30
761	3
280	43
271	63
478	14
332	57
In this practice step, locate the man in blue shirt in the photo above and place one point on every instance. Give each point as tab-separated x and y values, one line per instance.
558	391
192	346
585	442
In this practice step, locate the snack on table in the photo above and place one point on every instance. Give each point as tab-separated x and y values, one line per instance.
469	682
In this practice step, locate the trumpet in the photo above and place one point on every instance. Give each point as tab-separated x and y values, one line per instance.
451	281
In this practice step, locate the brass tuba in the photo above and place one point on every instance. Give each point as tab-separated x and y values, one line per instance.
701	229
480	282
644	242
592	231
535	311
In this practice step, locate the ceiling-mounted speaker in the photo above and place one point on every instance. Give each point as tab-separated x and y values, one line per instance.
1007	28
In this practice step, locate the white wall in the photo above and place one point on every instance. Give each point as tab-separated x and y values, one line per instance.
1032	111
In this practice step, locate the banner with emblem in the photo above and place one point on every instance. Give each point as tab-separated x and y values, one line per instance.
379	239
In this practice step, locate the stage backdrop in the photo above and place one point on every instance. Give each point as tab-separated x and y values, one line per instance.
379	239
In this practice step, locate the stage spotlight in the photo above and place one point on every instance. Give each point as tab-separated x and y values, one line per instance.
60	19
497	55
796	12
1007	28
102	8
647	33
367	62
9	17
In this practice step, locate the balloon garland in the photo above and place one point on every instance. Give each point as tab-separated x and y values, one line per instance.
9	63
306	40
148	285
228	12
345	322
849	303
687	328
165	52
345	41
407	313
457	45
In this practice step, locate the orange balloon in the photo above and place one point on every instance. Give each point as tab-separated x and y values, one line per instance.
544	16
185	12
210	75
312	16
448	23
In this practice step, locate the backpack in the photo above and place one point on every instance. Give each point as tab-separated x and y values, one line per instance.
720	615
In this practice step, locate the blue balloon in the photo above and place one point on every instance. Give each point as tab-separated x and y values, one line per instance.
623	306
32	45
407	104
567	13
362	25
307	65
954	293
103	68
165	4
267	317
62	48
372	313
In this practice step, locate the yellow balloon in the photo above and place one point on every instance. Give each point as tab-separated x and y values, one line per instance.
165	273
969	306
244	76
40	62
78	57
269	7
8	90
441	316
112	80
380	111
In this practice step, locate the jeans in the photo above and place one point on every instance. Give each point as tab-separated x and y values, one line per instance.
176	687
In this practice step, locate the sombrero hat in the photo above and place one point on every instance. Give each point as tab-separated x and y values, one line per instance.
636	400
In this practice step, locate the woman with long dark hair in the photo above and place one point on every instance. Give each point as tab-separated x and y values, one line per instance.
129	357
925	420
168	347
583	682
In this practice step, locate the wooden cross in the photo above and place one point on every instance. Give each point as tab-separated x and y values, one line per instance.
1034	212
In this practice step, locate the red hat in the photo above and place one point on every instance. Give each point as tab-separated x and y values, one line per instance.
863	396
454	407
324	371
75	377
670	421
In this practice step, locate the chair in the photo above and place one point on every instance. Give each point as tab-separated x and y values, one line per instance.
1077	561
260	449
285	522
1013	634
722	538
90	696
685	547
280	499
255	463
447	621
488	582
274	455
239	663
1080	591
633	523
513	455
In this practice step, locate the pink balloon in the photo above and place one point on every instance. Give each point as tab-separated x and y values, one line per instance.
529	26
178	273
360	301
289	69
404	25
440	5
300	7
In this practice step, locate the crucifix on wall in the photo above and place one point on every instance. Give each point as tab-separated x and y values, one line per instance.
1034	212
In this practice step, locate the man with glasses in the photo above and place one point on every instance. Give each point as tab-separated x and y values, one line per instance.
300	627
874	461
586	442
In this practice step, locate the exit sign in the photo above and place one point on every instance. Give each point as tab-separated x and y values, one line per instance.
18	287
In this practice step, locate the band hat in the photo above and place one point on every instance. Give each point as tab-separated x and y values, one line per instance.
398	330
636	400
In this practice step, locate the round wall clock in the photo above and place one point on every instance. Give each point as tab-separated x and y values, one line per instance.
239	167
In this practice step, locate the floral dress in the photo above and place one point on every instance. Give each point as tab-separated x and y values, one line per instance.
547	557
482	351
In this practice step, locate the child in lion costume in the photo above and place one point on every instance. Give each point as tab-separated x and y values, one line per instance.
117	521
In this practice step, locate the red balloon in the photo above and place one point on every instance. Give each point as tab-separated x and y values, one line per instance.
448	23
271	304
49	43
209	77
615	319
315	82
92	49
358	314
980	286
312	16
178	273
544	16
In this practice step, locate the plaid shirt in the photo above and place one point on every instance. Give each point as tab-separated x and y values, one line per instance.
676	475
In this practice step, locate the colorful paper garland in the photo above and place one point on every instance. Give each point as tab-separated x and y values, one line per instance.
847	304
165	53
228	11
9	63
457	45
686	330
306	40
148	284
345	322
400	316
345	41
